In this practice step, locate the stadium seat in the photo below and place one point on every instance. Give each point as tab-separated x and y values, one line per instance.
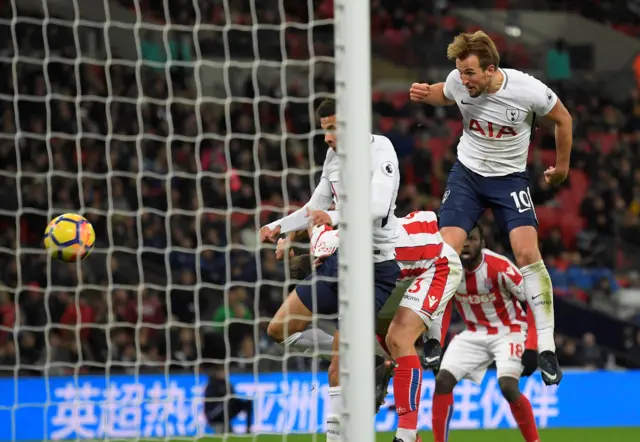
548	157
547	219
569	200
386	124
455	128
437	146
570	226
579	184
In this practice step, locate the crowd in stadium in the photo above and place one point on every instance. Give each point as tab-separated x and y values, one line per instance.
141	175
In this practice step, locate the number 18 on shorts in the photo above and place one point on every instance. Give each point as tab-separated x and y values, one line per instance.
470	353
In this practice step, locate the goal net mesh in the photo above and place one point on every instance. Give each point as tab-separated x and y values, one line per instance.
177	128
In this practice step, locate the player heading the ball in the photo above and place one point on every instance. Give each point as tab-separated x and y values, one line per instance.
499	108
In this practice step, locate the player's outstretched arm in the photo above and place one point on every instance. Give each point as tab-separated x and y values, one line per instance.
431	94
564	140
321	199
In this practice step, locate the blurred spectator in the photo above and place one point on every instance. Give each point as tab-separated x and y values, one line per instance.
634	349
176	187
558	63
592	356
567	351
221	404
234	308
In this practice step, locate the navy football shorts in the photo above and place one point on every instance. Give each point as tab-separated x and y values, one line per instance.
324	299
469	194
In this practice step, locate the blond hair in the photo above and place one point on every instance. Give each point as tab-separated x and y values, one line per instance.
478	44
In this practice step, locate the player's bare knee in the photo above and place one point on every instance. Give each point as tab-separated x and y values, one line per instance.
524	242
334	371
275	330
394	341
509	388
403	332
445	382
527	256
455	237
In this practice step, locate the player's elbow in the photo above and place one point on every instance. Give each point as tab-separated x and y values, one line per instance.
561	116
380	207
565	120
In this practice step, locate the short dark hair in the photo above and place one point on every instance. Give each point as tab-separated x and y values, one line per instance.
327	108
480	230
300	267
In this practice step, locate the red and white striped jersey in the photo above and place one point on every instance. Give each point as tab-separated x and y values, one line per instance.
419	243
488	296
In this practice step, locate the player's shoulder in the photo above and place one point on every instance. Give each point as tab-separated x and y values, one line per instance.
514	77
381	142
383	149
454	77
524	88
497	261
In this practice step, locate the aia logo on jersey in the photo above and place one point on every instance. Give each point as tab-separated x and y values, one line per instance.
490	130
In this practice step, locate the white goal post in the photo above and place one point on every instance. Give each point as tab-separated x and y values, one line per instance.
178	132
353	94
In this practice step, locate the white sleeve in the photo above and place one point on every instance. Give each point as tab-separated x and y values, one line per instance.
541	98
383	180
451	84
320	200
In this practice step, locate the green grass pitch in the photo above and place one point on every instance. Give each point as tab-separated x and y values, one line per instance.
546	435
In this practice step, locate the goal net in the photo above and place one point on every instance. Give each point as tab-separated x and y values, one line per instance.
177	128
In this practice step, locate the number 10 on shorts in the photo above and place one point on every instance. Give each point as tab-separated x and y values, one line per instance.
522	200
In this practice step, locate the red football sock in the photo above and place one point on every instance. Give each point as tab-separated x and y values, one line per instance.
441	412
523	414
407	385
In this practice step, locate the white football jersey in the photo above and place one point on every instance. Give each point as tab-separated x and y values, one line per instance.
497	127
385	182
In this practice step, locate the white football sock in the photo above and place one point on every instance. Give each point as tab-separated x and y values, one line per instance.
333	417
407	435
435	330
539	293
310	341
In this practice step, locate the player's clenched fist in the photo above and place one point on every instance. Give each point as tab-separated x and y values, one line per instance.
419	92
555	176
269	235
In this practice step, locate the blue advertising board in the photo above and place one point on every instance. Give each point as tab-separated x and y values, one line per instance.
92	407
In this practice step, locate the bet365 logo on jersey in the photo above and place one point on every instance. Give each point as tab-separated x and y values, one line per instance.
490	130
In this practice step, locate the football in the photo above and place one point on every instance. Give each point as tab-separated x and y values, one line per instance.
69	237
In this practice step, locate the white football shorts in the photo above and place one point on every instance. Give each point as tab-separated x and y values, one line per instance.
470	354
429	293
